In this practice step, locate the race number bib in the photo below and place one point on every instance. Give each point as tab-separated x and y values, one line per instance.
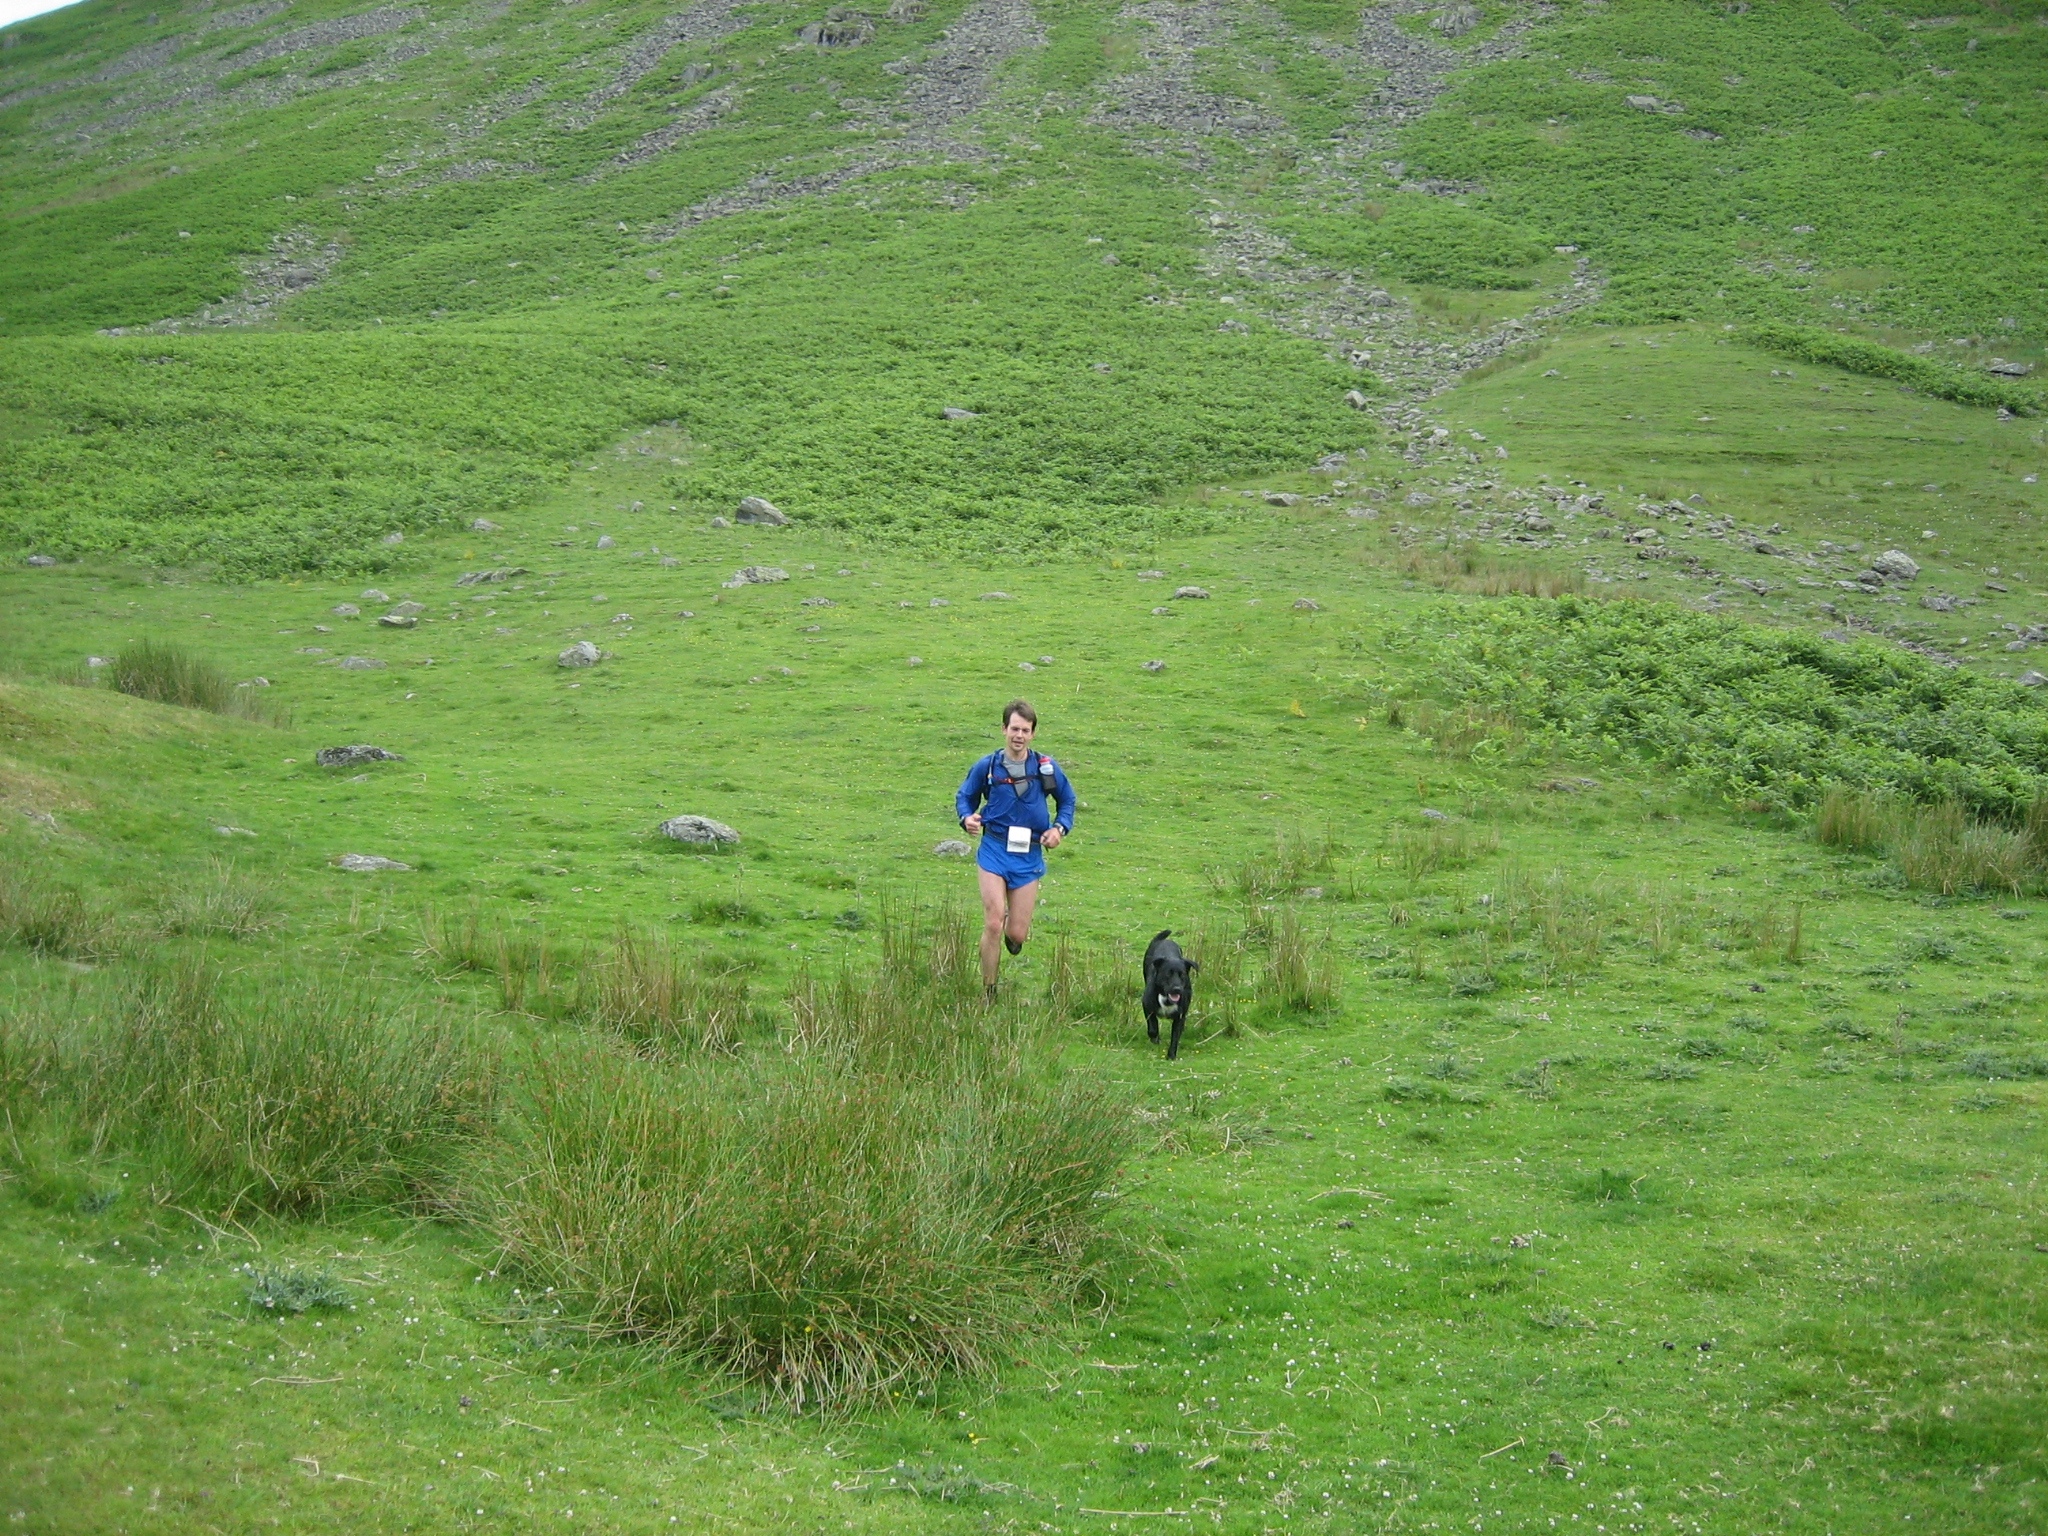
1020	840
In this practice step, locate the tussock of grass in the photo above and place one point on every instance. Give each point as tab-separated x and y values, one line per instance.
1483	577
654	995
171	674
38	913
295	1291
271	1094
1939	847
225	903
898	1192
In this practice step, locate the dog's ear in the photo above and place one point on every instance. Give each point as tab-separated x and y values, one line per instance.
1194	965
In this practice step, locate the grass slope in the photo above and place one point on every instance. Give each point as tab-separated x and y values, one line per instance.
1800	1167
1657	1167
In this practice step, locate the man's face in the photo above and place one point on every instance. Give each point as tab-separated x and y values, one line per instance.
1018	731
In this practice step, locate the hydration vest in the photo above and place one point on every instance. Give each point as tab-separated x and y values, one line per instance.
1046	782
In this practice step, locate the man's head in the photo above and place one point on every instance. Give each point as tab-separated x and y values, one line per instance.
1020	724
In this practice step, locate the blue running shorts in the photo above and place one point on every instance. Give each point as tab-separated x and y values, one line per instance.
1016	868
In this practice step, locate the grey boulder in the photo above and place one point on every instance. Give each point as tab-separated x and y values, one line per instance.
1896	565
360	664
366	863
42	560
699	830
354	757
953	848
581	654
756	576
761	512
1193	593
959	413
486	578
346	611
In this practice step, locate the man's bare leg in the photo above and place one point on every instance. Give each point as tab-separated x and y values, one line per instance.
995	902
1022	901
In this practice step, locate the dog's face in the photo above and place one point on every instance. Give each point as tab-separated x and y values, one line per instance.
1170	977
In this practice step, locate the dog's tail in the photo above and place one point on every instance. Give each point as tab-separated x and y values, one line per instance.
1164	933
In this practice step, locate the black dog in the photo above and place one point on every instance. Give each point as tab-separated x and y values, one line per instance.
1169	988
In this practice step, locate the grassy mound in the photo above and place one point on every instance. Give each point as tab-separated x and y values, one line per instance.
285	1096
897	1192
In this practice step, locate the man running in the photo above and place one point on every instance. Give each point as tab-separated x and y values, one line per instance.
1009	797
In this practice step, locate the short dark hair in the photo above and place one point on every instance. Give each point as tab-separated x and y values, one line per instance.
1020	707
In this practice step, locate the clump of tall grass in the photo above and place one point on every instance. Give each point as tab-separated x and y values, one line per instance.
1261	875
1084	980
225	903
902	1188
1302	973
1464	732
271	1094
39	913
1462	572
1438	845
171	674
649	992
1939	847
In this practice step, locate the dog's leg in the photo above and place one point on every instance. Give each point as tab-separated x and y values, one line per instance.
1152	1016
1180	1022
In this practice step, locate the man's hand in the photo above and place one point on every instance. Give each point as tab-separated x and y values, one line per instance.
1052	837
972	823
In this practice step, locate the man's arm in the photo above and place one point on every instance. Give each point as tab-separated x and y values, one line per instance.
1065	791
971	789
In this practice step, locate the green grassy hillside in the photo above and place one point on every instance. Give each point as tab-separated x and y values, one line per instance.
1523	522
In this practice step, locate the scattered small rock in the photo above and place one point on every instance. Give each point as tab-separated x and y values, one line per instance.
914	661
817	602
234	832
1307	605
372	595
941	602
759	512
346	611
1568	786
2033	679
486	578
1939	602
1896	565
719	522
581	654
360	664
41	560
605	541
96	662
1025	666
1191	592
1282	499
959	413
1431	814
1999	365
1151	575
757	576
953	848
394	537
354	757
1160	613
1456	20
700	830
996	597
399	621
1155	666
366	863
1420	499
1355	398
483	525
